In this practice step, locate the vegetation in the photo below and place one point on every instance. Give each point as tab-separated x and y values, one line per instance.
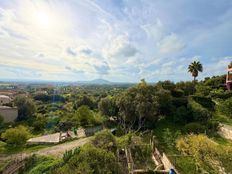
182	117
16	136
194	68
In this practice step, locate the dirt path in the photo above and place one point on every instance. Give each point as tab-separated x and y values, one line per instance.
56	150
59	150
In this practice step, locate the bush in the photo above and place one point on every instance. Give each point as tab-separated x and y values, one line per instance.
178	102
16	136
220	93
206	153
90	160
199	113
213	125
225	107
182	115
177	93
206	102
203	90
194	128
86	117
106	140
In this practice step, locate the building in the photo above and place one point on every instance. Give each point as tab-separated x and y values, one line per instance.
229	77
8	114
4	99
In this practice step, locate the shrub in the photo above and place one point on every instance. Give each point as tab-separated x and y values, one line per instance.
181	115
169	137
178	102
106	140
177	93
206	102
90	160
87	117
225	107
194	128
220	93
213	125
203	90
199	113
16	136
205	152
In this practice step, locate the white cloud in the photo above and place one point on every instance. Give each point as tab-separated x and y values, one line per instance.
170	44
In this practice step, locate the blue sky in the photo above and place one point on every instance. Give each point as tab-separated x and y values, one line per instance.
118	40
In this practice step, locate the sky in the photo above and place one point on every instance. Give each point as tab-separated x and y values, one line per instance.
116	40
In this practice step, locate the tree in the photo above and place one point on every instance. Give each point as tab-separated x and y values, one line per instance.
16	136
107	106
26	107
195	67
86	117
138	107
84	100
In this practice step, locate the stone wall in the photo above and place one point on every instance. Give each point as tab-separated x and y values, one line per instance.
9	114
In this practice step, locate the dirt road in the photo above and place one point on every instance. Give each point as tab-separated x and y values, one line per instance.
59	150
56	150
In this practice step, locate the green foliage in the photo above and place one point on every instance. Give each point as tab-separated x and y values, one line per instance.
170	138
167	85
194	68
106	140
205	152
85	117
107	106
220	94
202	90
1	121
199	113
141	106
206	102
164	100
225	107
49	98
38	165
39	123
26	107
68	154
16	136
177	93
215	81
142	155
195	127
90	160
187	87
84	100
181	115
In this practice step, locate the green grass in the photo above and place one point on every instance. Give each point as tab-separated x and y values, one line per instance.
6	149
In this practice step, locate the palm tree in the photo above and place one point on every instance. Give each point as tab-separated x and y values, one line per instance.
194	68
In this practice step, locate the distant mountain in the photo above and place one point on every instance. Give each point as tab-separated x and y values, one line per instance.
100	81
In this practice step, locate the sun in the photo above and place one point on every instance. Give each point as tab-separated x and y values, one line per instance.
43	19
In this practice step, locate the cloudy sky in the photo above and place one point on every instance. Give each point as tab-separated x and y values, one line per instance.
117	40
